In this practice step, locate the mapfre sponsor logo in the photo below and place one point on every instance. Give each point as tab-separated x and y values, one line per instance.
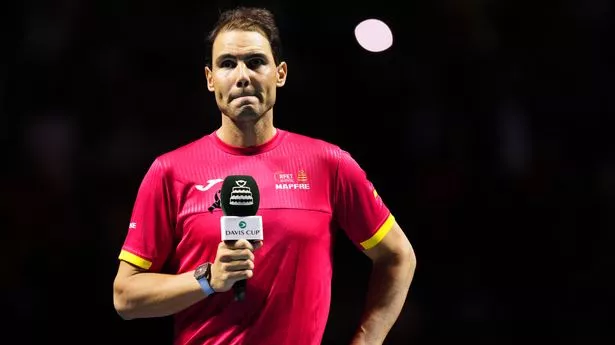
291	181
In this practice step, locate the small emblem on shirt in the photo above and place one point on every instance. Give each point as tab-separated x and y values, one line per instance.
132	225
216	203
286	180
284	177
302	176
210	183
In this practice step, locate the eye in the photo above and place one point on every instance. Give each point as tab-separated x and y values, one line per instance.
227	64
256	62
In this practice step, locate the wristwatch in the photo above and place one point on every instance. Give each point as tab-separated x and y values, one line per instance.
203	275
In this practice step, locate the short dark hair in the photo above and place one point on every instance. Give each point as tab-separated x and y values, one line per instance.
248	19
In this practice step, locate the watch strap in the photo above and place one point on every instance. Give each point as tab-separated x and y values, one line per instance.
204	281
207	289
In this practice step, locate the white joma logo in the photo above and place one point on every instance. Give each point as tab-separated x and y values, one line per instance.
210	183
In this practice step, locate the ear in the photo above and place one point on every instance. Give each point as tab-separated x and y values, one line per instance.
282	71
210	79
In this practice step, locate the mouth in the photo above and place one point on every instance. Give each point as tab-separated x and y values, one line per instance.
244	97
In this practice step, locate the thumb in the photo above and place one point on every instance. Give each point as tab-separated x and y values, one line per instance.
257	244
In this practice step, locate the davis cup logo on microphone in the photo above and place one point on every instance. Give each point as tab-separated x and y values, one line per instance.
241	195
237	228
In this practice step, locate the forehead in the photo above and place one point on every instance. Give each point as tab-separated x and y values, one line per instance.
237	42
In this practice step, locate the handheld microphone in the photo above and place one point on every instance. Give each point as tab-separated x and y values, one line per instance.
239	200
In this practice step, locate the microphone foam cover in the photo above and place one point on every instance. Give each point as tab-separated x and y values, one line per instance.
239	196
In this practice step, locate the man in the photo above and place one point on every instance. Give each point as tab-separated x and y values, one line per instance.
173	261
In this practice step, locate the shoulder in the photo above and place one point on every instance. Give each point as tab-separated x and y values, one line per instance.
333	156
188	151
185	155
313	146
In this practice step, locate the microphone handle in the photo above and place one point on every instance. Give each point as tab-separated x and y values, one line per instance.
239	288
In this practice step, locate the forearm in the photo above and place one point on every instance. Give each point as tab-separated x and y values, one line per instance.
154	295
387	290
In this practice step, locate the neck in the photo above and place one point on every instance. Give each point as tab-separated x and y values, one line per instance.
246	134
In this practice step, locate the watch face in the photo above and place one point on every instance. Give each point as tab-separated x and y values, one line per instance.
200	271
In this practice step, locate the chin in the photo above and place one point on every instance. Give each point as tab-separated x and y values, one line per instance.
246	114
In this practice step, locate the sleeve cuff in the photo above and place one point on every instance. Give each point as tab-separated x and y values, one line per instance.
134	259
379	234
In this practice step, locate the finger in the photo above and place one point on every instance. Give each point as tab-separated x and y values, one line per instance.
243	254
239	266
236	255
232	244
243	244
230	255
257	244
239	275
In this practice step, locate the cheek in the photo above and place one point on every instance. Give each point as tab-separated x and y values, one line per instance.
272	88
219	95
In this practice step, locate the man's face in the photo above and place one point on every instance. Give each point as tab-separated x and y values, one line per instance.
243	75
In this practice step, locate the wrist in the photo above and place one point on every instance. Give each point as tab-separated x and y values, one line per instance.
202	274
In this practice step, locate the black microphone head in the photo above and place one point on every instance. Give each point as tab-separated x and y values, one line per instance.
239	196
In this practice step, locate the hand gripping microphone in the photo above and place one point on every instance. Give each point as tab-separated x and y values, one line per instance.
239	200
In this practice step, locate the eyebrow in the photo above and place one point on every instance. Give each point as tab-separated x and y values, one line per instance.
241	57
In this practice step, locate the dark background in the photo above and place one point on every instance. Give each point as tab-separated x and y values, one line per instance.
486	129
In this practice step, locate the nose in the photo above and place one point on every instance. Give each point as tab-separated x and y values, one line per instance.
243	79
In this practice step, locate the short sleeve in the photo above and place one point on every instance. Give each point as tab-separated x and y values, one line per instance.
149	238
358	209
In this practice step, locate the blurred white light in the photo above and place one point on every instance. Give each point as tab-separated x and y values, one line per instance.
373	35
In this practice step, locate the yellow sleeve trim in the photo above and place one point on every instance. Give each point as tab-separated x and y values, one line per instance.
135	260
379	235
